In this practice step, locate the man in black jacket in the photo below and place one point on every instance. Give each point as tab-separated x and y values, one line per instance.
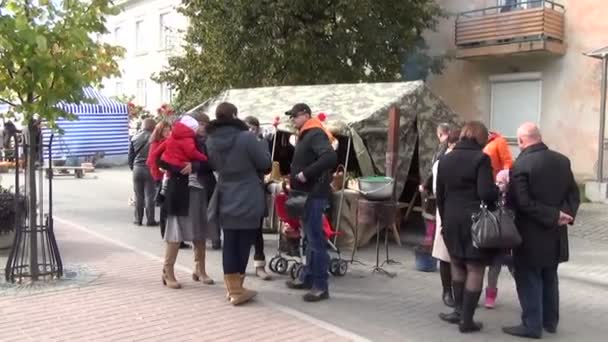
545	198
313	160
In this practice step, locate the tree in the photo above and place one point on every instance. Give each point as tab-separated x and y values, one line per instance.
49	52
248	43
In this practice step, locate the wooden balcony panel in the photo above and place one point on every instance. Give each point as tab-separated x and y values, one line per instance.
485	33
514	30
499	24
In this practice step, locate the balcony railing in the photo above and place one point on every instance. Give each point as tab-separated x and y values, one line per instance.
524	26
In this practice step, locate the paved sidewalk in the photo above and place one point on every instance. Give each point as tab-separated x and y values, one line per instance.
127	302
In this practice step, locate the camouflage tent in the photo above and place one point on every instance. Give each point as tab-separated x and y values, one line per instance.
357	109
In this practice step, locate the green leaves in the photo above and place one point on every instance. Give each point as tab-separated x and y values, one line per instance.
249	43
47	54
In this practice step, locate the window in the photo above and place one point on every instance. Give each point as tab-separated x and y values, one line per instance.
163	29
141	94
119	88
166	93
118	38
521	4
515	99
139	36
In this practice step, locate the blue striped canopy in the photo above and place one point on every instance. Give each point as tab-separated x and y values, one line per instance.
101	127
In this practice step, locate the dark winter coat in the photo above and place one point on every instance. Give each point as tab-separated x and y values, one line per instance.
177	198
238	157
429	204
541	184
315	157
464	179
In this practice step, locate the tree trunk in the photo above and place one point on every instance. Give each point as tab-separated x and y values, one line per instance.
30	179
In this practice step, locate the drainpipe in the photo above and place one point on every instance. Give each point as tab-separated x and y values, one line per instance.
600	153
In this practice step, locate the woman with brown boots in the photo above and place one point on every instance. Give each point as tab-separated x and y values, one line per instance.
186	199
239	158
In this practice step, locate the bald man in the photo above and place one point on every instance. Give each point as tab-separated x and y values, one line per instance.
545	199
143	183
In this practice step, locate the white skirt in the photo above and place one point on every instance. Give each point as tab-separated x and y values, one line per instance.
440	251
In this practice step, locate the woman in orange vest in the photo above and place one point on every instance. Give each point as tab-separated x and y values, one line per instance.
500	156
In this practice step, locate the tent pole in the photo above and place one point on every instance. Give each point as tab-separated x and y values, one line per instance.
343	187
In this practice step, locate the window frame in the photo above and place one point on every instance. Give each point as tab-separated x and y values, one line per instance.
513	78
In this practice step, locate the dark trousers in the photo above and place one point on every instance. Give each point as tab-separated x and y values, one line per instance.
258	247
237	246
538	292
317	259
145	192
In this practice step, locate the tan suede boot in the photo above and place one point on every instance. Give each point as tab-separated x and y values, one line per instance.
238	295
260	270
172	248
199	272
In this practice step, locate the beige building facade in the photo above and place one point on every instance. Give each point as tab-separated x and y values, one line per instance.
517	61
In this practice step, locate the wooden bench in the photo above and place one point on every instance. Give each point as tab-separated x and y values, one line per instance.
78	171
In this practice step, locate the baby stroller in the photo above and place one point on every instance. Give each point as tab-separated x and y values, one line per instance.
283	262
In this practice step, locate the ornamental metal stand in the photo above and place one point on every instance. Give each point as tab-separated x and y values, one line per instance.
35	254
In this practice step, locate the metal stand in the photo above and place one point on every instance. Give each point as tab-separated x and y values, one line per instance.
388	260
378	268
46	262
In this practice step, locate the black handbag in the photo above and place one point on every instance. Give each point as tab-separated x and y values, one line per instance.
494	228
296	204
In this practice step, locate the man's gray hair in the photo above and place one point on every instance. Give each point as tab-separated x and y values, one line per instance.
444	127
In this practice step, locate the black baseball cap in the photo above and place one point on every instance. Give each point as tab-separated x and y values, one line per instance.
299	108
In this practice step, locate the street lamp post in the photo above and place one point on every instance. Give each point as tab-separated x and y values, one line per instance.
603	55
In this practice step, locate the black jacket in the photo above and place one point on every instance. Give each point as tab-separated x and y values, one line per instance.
541	184
315	157
464	179
177	199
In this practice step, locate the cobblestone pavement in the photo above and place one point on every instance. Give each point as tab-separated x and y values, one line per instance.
128	303
403	308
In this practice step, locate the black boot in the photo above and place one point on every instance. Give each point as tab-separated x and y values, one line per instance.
456	315
446	281
469	305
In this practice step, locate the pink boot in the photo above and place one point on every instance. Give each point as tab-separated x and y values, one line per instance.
491	295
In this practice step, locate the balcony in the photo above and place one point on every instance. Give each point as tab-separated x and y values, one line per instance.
524	27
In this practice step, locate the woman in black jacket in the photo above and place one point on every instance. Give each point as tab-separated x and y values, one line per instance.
186	200
464	180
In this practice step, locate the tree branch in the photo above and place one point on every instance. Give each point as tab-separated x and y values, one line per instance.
8	102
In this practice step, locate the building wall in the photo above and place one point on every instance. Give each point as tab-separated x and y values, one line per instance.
146	54
570	83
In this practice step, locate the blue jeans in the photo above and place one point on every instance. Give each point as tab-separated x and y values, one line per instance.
317	259
538	292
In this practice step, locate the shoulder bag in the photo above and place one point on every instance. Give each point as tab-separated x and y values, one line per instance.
494	228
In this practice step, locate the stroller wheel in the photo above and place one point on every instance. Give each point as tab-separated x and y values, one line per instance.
334	266
281	265
295	270
342	268
273	264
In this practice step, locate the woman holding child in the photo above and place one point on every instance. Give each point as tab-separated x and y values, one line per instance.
184	159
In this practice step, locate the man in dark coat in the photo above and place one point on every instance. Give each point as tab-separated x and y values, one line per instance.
313	160
545	198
